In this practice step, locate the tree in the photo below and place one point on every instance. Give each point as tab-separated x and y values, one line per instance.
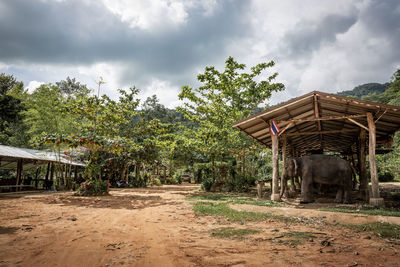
12	130
224	98
71	87
391	95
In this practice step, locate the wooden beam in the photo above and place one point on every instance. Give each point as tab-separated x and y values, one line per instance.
326	118
287	127
275	168
357	123
323	132
375	199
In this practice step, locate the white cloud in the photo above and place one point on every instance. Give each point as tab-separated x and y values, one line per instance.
166	93
33	85
149	15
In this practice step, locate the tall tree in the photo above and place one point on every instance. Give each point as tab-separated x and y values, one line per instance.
12	130
225	97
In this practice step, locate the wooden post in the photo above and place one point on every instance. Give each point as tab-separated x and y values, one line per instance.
19	172
363	168
244	162
260	185
275	168
284	189
375	200
52	174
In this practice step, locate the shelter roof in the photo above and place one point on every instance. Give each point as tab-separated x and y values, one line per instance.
9	156
320	120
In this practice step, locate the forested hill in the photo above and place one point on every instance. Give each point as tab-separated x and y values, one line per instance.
365	89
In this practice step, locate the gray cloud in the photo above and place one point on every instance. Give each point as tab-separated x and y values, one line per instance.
73	32
330	45
309	36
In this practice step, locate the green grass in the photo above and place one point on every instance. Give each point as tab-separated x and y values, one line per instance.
222	209
230	232
380	229
367	210
236	200
292	239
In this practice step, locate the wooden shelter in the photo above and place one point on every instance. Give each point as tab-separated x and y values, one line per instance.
321	122
22	159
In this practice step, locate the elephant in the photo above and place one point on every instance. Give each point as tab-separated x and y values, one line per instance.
323	169
292	173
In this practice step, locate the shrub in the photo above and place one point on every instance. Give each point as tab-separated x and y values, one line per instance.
93	188
137	182
172	180
178	175
207	184
156	182
385	177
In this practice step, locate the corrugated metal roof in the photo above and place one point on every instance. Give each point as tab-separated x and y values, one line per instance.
9	155
334	134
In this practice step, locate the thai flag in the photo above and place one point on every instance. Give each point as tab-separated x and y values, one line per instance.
274	128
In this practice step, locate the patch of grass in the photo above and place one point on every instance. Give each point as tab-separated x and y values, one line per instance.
236	200
367	210
257	202
292	239
222	209
380	229
230	232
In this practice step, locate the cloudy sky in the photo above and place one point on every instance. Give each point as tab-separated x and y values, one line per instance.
161	45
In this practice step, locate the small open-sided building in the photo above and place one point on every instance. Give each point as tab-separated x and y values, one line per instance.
321	122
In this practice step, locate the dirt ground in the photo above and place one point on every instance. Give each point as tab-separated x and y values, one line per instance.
157	227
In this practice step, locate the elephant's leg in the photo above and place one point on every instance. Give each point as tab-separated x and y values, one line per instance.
292	185
339	195
306	189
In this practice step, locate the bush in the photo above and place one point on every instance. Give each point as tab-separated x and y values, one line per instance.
137	182
207	184
178	176
156	182
172	180
385	177
93	188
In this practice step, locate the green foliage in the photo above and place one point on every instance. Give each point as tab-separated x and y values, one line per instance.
172	180
230	232
385	176
156	182
223	98
137	181
207	184
178	175
93	188
365	89
12	130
